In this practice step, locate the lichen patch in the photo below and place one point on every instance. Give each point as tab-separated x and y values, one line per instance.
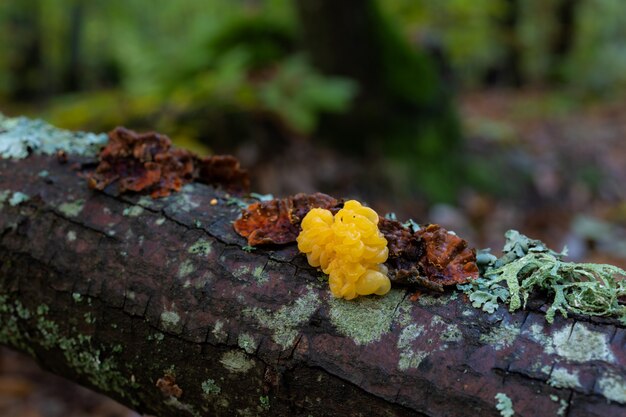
563	378
365	319
613	387
72	208
582	345
285	322
236	361
501	337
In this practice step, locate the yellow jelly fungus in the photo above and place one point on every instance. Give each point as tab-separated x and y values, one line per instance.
348	247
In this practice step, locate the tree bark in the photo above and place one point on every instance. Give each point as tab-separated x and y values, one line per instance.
157	304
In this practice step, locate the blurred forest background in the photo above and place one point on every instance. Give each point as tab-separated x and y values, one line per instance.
481	115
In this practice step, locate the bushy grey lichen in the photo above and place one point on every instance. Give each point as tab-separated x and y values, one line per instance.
19	136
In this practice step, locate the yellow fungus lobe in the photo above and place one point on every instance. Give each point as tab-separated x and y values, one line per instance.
348	247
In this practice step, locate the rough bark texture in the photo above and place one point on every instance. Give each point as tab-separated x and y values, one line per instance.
126	293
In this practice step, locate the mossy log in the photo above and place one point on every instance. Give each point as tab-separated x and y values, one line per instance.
160	305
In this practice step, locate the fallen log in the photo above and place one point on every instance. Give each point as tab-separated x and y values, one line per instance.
162	306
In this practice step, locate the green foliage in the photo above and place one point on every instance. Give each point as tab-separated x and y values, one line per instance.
528	265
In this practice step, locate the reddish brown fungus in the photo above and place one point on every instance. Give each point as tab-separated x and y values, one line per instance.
147	162
447	259
430	258
167	386
278	221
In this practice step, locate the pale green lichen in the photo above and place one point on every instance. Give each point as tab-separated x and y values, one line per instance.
186	268
582	344
444	333
71	236
72	208
94	362
236	361
218	331
562	378
209	387
159	221
408	357
202	247
501	337
133	211
242	271
285	322
504	405
246	342
169	320
19	136
77	297
18	198
613	387
264	402
259	275
450	332
575	343
365	319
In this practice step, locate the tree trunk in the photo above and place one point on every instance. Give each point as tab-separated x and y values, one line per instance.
158	304
565	37
404	108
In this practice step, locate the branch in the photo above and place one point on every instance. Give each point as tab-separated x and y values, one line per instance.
156	304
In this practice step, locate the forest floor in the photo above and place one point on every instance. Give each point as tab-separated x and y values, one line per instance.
562	170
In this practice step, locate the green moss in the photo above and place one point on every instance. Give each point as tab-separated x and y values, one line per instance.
202	247
563	378
72	208
285	322
236	361
209	387
365	319
501	337
133	211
